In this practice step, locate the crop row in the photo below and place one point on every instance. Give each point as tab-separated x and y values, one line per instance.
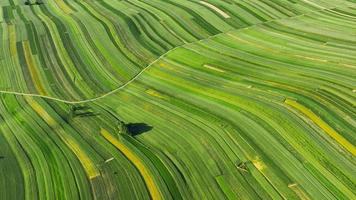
252	100
81	49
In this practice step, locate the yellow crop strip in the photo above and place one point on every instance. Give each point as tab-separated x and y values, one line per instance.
63	6
323	125
86	162
88	165
155	93
151	186
12	39
32	68
213	68
40	111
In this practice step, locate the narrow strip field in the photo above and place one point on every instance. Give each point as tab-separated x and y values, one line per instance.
168	99
77	50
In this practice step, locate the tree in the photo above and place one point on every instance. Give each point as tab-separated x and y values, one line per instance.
122	128
242	166
71	113
38	2
79	111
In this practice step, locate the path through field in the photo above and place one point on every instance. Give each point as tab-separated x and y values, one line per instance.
168	99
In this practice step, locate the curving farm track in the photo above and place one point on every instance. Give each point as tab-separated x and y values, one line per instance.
225	99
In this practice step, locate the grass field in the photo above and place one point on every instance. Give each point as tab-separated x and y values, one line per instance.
178	99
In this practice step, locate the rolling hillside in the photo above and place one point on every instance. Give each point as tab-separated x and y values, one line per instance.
178	99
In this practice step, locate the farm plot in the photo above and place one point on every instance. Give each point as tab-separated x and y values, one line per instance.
61	155
257	105
263	112
78	49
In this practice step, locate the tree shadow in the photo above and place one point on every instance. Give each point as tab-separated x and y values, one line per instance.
83	111
87	114
138	128
27	3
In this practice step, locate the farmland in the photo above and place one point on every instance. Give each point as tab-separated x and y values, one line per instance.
178	99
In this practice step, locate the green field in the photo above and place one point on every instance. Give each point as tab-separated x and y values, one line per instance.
178	99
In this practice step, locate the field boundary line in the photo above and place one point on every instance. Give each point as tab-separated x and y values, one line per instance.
160	58
120	87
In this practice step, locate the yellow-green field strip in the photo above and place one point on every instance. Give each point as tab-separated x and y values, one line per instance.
221	99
